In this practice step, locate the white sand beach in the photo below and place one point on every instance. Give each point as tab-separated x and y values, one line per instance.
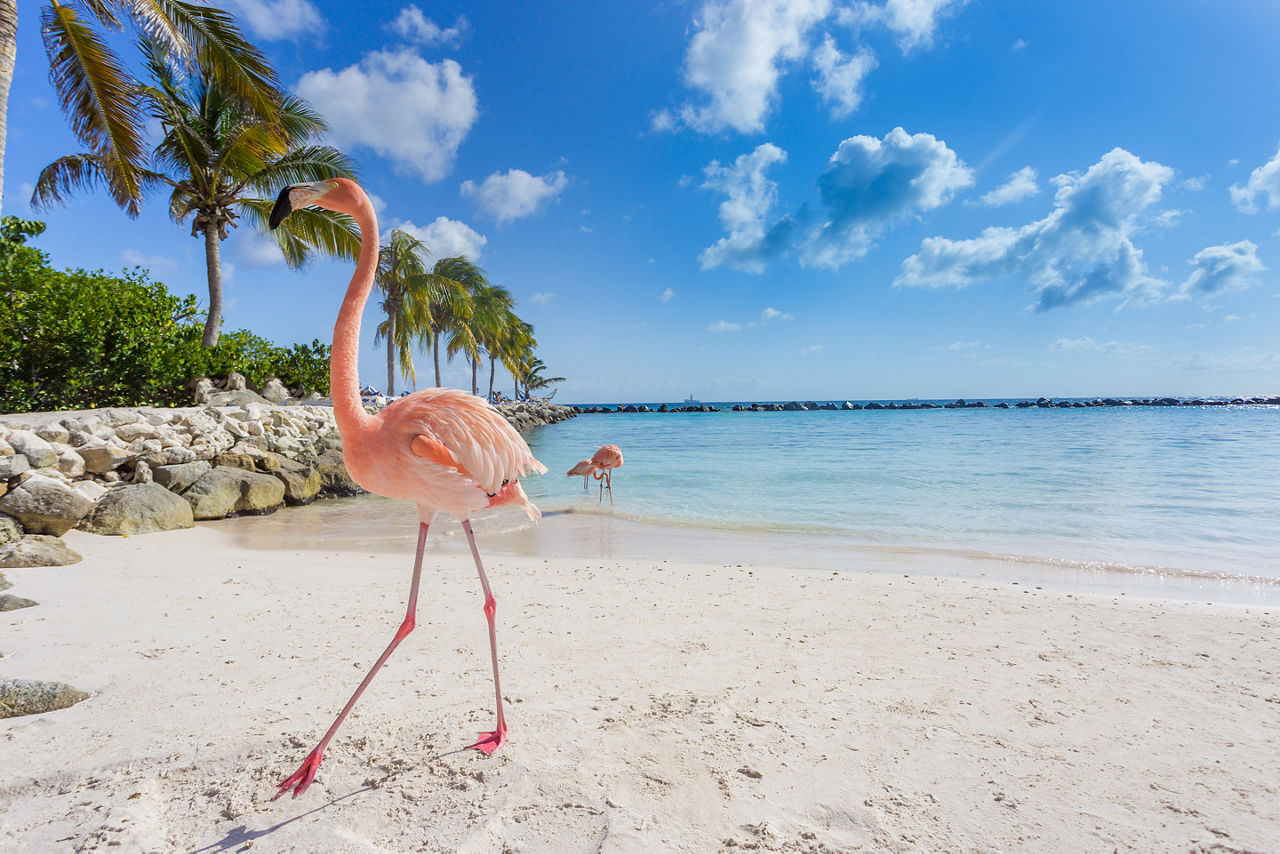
654	705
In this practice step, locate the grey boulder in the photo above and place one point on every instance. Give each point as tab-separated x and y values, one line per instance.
140	508
45	506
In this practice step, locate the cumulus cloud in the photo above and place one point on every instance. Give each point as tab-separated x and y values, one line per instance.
751	196
1021	185
514	195
667	295
257	252
447	238
772	313
724	326
735	55
400	106
870	184
412	25
914	21
278	19
1081	252
840	76
1226	267
1263	181
542	298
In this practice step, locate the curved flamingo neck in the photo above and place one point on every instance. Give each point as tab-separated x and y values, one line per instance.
344	361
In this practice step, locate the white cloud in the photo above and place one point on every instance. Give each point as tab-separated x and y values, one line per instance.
1110	348
411	24
840	76
542	298
278	19
1021	185
1082	251
1263	181
398	105
667	295
1227	267
870	184
1196	183
966	346
257	252
1019	45
447	238
772	313
724	326
153	263
914	21
751	196
514	195
734	58
812	348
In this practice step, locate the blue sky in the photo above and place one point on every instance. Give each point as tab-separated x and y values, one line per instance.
759	199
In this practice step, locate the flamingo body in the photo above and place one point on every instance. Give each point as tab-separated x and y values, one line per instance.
607	458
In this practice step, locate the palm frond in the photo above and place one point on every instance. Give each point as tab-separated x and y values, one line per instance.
304	164
98	95
305	231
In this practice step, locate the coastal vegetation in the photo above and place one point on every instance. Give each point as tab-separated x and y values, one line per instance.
73	339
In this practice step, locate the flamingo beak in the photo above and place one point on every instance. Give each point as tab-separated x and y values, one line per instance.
295	197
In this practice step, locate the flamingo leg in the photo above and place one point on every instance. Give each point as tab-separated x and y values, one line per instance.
488	741
302	778
608	477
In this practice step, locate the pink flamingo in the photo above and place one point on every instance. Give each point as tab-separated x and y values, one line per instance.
607	458
442	449
584	469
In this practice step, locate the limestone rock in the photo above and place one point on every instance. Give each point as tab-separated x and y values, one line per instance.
70	462
274	391
222	491
301	482
38	452
28	697
90	489
9	602
236	382
137	430
10	530
178	477
142	472
37	550
53	432
6	450
334	477
235	398
45	506
140	508
12	466
101	457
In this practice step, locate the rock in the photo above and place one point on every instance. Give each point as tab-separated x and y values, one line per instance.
9	602
176	478
137	430
202	387
38	452
235	398
37	550
301	482
140	508
90	489
142	472
5	584
70	462
222	491
28	697
45	506
6	450
334	477
274	390
12	466
236	461
236	382
53	432
117	417
100	457
10	530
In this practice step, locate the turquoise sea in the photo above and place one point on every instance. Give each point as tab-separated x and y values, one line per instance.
1191	490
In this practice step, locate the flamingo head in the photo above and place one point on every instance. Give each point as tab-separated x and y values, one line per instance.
336	194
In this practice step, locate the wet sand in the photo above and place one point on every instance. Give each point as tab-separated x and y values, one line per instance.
660	697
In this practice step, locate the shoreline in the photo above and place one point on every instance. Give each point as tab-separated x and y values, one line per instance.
654	706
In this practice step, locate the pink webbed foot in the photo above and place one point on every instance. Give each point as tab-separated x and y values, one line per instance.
490	741
303	776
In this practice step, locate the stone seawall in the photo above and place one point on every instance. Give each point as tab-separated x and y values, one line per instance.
132	471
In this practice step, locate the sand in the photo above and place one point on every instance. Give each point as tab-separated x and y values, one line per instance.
654	706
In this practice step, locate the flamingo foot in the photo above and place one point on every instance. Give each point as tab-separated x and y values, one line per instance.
302	778
490	741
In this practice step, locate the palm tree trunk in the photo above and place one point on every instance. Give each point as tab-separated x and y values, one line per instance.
475	387
8	52
435	354
213	325
493	366
391	355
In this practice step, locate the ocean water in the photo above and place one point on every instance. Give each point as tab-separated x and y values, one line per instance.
1191	490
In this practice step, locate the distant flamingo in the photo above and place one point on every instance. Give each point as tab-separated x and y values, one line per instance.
442	449
583	468
607	458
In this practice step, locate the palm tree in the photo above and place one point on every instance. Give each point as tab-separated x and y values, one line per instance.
402	278
533	380
490	312
516	348
99	94
454	280
222	160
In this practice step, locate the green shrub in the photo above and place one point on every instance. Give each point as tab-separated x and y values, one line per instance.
71	339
